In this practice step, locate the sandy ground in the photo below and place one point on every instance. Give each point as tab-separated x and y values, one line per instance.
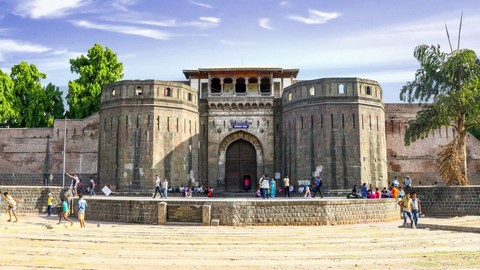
37	242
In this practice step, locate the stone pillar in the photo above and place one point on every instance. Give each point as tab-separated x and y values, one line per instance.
206	214
221	86
259	80
162	213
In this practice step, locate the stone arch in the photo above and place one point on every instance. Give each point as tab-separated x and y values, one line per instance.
222	150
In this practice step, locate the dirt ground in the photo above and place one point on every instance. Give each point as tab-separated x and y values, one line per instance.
37	242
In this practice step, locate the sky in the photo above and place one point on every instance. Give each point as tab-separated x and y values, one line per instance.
158	39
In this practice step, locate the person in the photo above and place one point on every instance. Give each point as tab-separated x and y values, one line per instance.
265	187
371	194
91	186
395	182
49	204
394	191
64	212
385	193
308	194
157	187
260	184
246	184
407	182
73	185
80	187
273	188
401	193
406	206
210	192
82	205
416	208
318	186
165	188
258	194
286	186
354	193
12	207
378	194
364	190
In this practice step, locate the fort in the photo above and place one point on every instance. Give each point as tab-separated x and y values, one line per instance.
223	125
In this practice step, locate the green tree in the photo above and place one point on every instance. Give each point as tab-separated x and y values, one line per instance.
29	95
447	87
98	68
8	112
54	108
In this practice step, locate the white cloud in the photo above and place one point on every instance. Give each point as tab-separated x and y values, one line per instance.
200	4
129	30
315	17
37	9
122	4
237	43
204	22
13	46
284	3
265	23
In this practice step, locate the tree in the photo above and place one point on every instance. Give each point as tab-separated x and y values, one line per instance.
99	68
451	82
54	108
8	113
29	95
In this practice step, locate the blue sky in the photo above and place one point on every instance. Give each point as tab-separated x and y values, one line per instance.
157	39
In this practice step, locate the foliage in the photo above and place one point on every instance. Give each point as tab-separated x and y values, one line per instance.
54	108
23	101
29	95
8	114
98	68
451	82
475	131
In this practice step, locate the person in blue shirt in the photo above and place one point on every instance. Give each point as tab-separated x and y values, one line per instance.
82	205
64	213
364	190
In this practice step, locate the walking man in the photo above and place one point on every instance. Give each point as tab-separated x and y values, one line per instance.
318	186
286	186
74	183
91	186
82	205
12	207
157	187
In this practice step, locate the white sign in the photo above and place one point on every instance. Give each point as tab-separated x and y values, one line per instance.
106	190
277	175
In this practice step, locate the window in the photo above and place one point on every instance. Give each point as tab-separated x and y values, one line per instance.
290	96
138	90
189	96
369	90
341	89
113	92
215	85
311	91
168	92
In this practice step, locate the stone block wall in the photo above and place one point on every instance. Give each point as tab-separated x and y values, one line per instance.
32	199
449	201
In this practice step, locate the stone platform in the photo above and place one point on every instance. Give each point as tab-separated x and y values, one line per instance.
241	211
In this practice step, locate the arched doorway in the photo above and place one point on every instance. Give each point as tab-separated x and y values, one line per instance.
241	163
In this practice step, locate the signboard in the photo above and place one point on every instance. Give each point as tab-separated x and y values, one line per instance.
106	190
240	125
277	175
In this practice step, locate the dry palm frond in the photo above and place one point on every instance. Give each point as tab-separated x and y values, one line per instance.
449	165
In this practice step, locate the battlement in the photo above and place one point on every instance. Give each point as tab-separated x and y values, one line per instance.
146	90
333	88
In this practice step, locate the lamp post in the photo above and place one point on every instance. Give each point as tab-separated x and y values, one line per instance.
64	149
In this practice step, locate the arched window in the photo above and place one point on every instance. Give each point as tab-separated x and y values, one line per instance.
240	86
290	96
341	89
167	92
113	91
311	91
215	85
369	90
265	86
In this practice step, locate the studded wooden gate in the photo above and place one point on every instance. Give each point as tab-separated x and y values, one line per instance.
241	163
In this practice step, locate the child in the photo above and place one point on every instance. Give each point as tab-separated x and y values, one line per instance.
307	192
12	207
49	204
64	212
